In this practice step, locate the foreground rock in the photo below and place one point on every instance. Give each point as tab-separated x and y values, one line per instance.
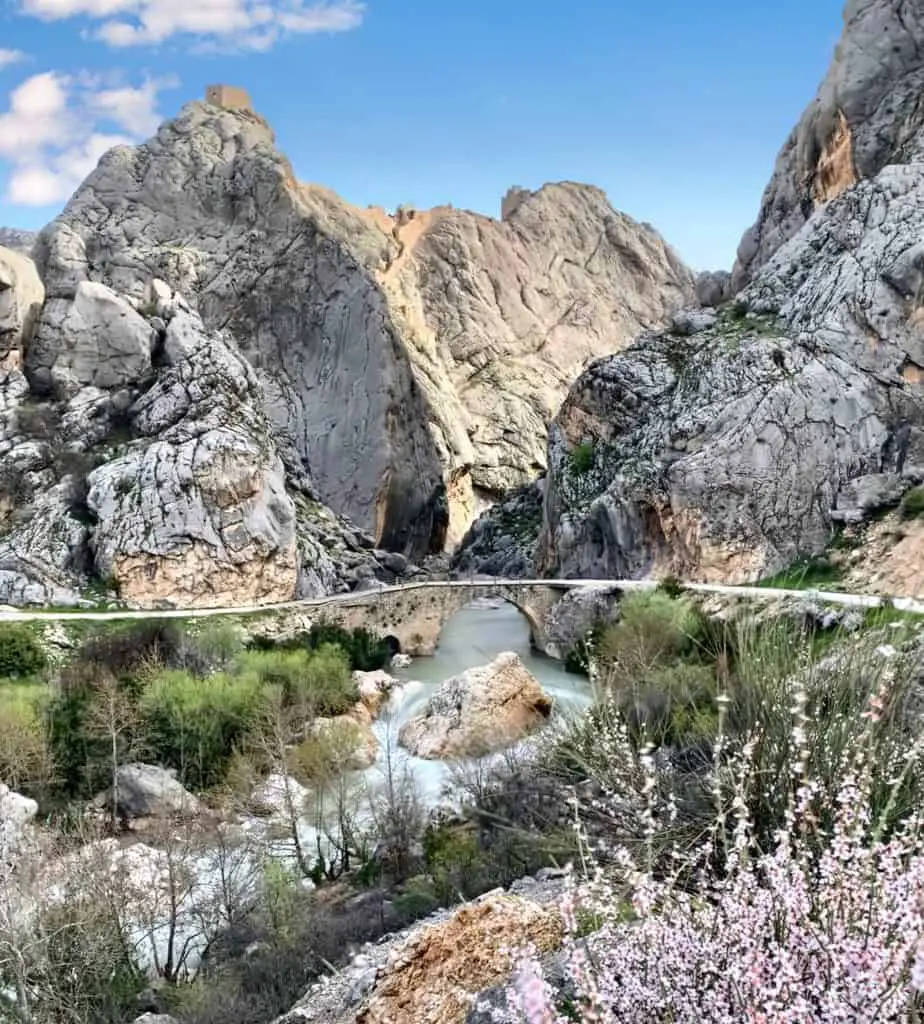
413	361
16	812
145	793
432	973
478	711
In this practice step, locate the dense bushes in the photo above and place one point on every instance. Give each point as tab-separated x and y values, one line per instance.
366	650
195	724
188	699
25	762
799	898
319	682
21	654
695	692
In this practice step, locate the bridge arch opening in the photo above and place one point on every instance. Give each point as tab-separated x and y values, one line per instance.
490	625
393	644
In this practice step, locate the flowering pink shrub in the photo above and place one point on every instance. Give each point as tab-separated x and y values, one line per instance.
827	926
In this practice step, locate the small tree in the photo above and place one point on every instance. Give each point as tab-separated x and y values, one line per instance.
398	814
113	717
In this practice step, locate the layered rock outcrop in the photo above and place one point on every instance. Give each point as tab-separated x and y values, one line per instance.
731	444
409	363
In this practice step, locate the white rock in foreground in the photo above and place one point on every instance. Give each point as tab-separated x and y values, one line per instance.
478	711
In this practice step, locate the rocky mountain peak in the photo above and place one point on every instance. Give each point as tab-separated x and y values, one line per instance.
742	438
866	114
412	362
228	360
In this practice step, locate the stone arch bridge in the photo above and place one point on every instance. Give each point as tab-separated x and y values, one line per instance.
416	613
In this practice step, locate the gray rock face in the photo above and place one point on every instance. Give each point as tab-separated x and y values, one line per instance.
720	456
865	116
18	240
146	791
502	541
171	489
21	297
198	503
573	618
733	443
95	340
407	362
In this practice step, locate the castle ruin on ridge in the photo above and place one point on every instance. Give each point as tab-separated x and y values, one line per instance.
227	96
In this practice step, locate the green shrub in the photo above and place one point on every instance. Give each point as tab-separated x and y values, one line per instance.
318	681
210	646
366	651
25	756
125	650
581	457
88	711
653	629
912	506
195	725
21	654
673	705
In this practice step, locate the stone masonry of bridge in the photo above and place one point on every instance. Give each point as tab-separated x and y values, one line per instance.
415	616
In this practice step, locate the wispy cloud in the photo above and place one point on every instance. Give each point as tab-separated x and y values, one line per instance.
8	57
56	127
223	24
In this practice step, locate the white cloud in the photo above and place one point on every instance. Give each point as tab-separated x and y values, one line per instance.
58	126
225	24
8	57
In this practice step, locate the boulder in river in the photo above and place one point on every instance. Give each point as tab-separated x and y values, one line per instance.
374	689
478	711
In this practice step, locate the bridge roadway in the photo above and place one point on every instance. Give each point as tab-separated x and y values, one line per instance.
482	584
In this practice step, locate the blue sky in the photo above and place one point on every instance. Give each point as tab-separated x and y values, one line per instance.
677	110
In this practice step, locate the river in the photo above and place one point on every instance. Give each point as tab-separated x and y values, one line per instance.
473	636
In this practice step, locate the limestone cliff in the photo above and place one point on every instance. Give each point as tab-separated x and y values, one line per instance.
411	362
151	470
737	440
865	116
